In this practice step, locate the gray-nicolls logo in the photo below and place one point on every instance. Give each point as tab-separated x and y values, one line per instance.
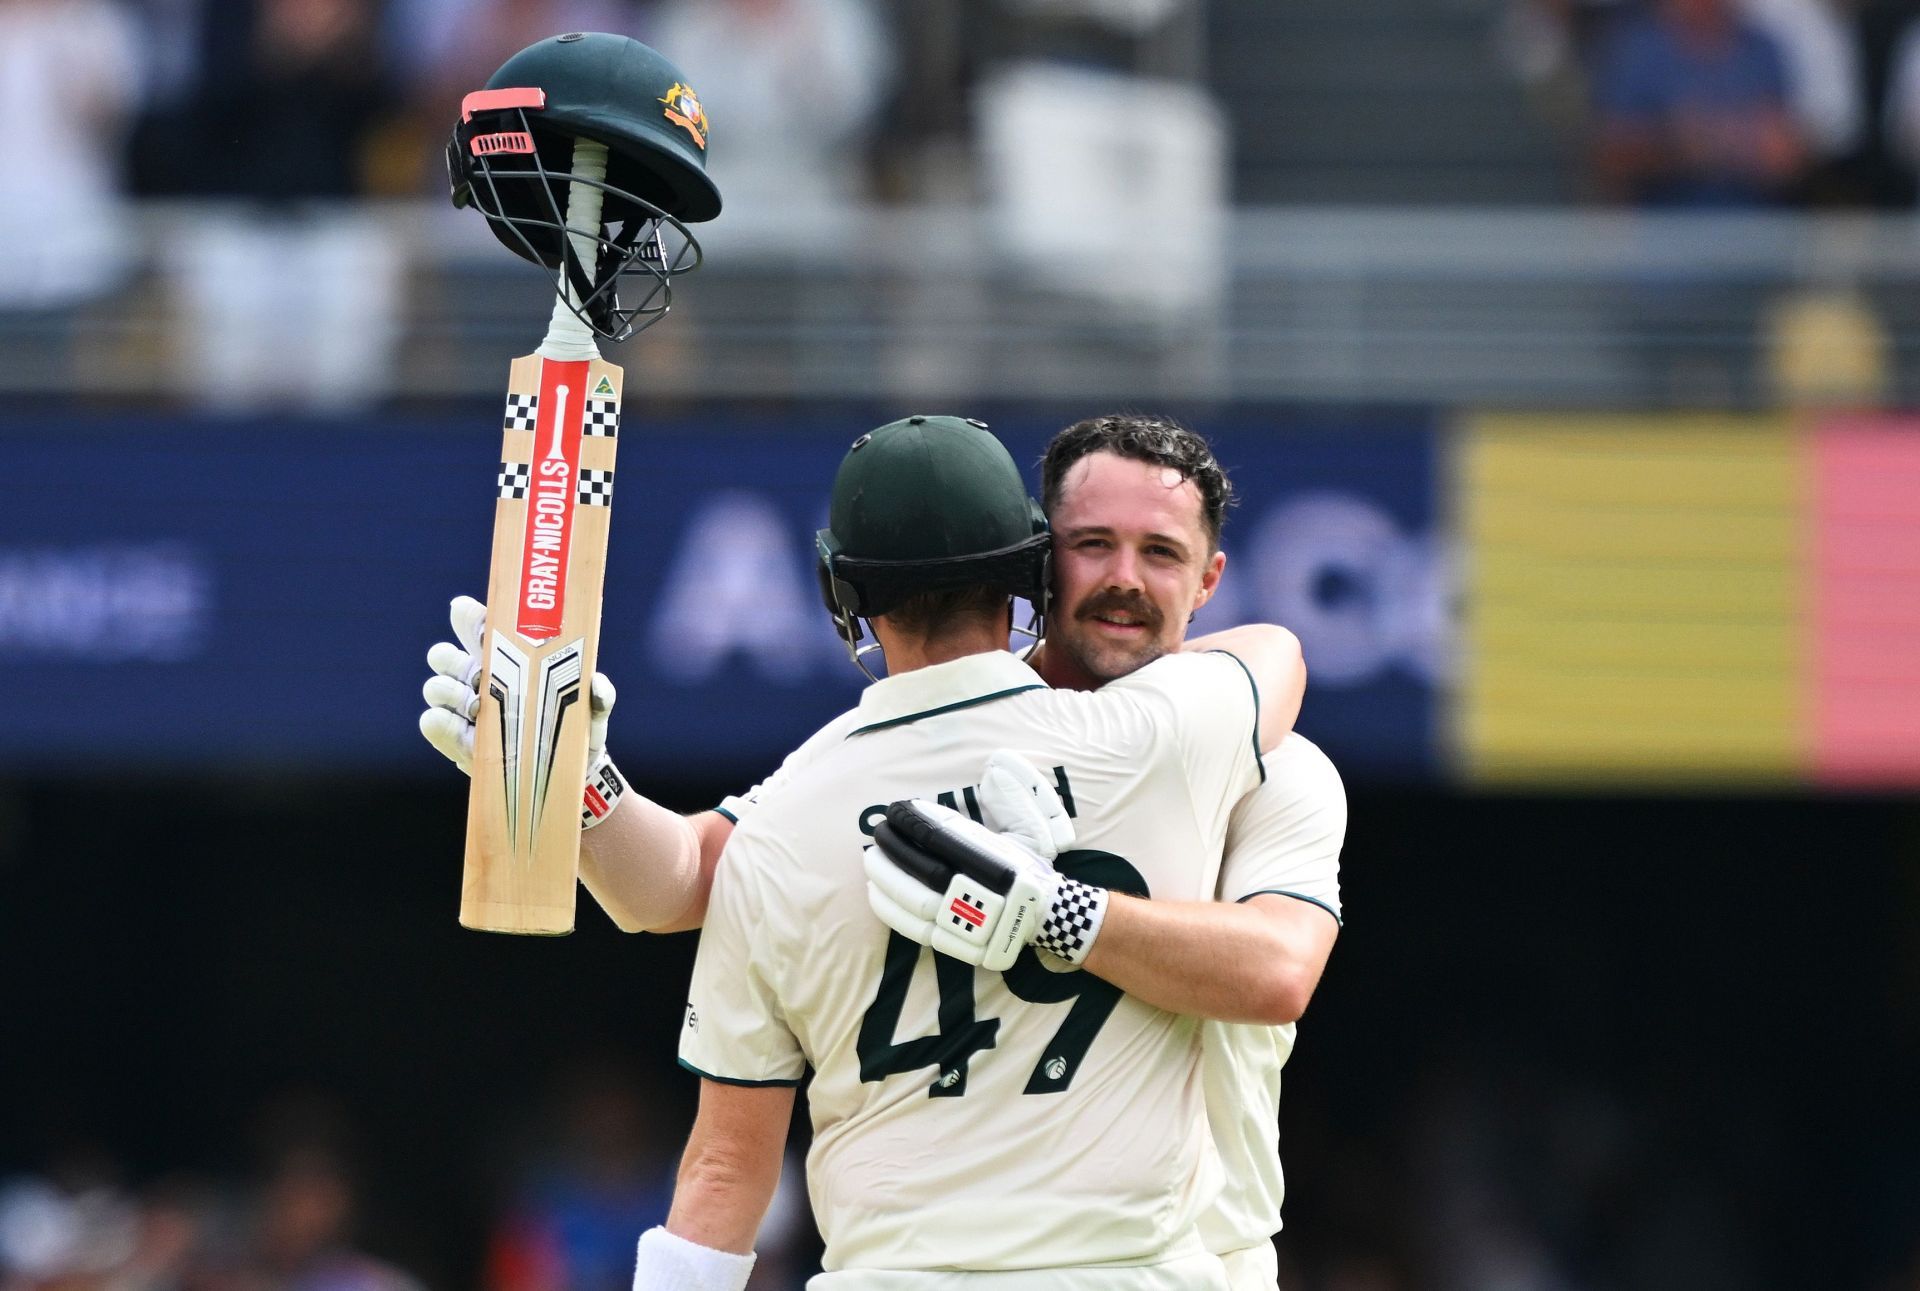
693	1019
1057	1068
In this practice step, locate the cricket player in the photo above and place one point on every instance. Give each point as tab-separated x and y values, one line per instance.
1129	548
947	1100
1138	503
996	1121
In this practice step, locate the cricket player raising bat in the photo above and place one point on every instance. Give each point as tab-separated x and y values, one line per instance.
586	153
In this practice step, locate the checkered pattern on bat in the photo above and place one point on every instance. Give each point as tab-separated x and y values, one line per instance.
1069	920
596	488
523	410
602	418
513	479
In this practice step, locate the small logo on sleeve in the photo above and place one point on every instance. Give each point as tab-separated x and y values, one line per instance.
693	1019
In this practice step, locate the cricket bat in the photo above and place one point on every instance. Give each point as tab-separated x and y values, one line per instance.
542	635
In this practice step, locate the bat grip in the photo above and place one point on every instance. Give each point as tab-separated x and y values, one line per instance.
567	336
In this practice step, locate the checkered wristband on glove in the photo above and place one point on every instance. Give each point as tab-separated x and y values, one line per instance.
1073	921
605	785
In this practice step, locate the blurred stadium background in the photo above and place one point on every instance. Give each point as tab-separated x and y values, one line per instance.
1565	353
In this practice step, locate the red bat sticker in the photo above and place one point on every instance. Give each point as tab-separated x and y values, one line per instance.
552	494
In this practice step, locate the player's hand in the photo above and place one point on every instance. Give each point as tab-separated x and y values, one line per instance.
453	700
453	691
1017	799
946	881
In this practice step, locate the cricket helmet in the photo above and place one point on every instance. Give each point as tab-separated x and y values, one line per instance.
512	158
923	504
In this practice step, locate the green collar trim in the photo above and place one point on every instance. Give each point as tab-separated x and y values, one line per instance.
729	1080
1258	761
944	708
1297	896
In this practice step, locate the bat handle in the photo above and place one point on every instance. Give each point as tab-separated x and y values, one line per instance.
567	336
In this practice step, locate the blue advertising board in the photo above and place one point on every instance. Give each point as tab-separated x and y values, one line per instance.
236	595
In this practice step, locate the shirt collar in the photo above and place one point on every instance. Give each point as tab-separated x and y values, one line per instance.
938	688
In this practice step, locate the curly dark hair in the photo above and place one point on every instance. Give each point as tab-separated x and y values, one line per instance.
1141	438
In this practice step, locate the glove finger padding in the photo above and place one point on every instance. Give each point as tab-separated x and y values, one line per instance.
903	891
469	620
452	734
450	661
990	892
903	919
453	692
600	697
452	695
1019	800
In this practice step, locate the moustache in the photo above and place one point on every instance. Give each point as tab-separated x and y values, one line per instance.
1132	604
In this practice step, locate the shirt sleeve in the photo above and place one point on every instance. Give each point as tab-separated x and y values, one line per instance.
734	1029
736	807
1285	837
1208	705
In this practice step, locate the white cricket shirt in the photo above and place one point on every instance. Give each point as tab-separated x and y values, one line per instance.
1285	838
965	1119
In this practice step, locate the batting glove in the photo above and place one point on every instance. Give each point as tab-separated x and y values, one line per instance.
453	700
946	881
1017	800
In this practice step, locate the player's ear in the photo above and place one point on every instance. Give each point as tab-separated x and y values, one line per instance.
1210	578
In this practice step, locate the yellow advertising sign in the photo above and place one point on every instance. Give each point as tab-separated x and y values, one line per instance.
1631	598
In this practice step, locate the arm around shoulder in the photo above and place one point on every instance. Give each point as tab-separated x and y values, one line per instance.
1256	961
1273	659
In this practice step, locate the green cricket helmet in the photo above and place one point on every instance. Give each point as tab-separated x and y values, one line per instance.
923	504
512	158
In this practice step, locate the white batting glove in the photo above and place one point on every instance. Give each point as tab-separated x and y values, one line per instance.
1017	799
942	879
453	692
453	701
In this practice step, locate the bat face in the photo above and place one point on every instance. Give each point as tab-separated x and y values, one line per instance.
543	630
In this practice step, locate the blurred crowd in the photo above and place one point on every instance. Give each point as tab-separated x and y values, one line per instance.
1476	1175
294	118
565	1190
290	99
286	1224
1729	104
285	107
1686	102
283	131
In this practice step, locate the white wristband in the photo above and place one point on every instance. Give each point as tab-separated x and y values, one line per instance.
669	1263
